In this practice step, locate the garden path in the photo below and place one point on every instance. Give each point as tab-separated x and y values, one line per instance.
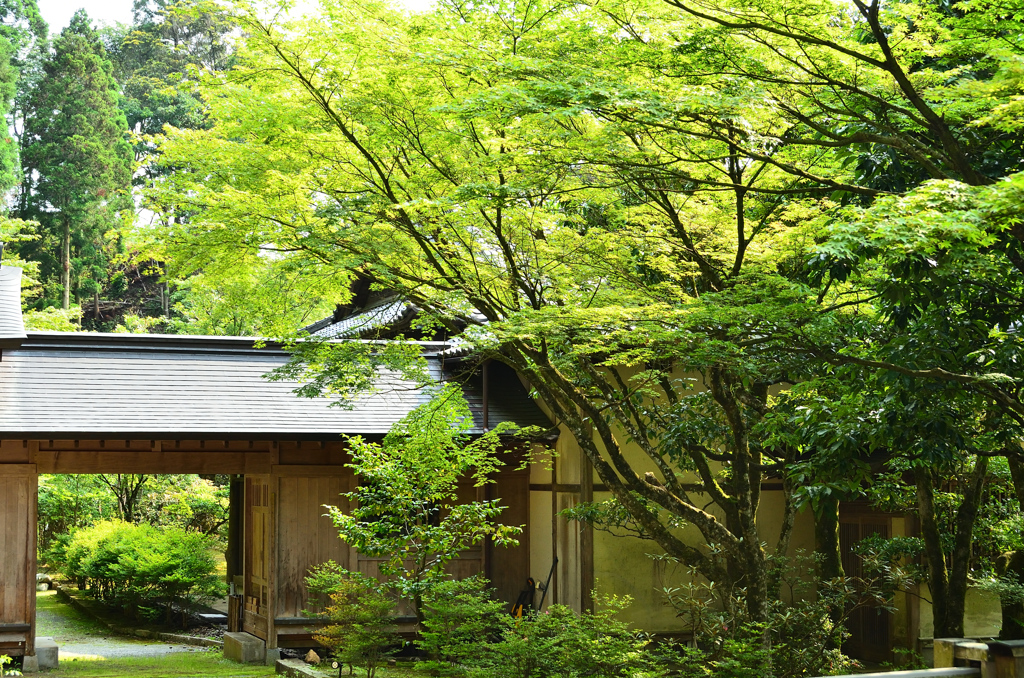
80	637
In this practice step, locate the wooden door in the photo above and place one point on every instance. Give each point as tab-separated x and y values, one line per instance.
18	496
306	536
870	627
259	525
508	568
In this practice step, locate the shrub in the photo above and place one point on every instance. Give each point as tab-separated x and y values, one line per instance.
458	617
801	639
135	567
4	661
362	630
562	644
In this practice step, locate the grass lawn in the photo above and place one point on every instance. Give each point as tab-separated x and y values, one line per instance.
179	664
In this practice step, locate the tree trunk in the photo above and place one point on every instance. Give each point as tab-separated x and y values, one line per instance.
949	586
826	537
960	558
65	274
1010	566
938	576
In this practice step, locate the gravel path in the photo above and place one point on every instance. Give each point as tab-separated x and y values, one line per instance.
80	637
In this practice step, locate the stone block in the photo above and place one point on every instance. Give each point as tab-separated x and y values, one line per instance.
943	652
244	648
273	654
294	668
29	664
47	653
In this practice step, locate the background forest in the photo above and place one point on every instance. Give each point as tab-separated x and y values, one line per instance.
737	240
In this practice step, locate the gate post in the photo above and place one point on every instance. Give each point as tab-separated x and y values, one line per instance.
18	499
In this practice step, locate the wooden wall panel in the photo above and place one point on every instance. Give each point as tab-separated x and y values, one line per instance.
258	525
306	537
18	490
509	568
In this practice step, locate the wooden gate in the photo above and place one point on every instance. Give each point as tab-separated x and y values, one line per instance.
18	493
259	533
870	627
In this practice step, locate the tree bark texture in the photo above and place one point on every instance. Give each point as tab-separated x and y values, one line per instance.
948	584
826	538
65	273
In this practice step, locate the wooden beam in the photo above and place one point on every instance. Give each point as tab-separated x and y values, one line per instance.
103	461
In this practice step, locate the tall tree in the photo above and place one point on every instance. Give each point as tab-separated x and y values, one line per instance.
635	217
77	156
22	32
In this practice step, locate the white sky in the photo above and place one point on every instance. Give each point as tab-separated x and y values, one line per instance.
58	13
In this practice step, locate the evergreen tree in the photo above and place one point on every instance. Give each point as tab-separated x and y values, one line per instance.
21	29
77	157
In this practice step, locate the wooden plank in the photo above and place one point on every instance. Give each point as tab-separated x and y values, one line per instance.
311	471
32	505
18	470
510	567
552	596
272	540
164	462
17	554
306	537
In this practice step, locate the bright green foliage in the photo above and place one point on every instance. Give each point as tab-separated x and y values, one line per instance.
185	501
135	566
53	319
4	661
631	204
562	644
458	618
249	297
362	630
77	162
407	508
69	502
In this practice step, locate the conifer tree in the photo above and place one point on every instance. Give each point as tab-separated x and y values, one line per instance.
21	28
77	156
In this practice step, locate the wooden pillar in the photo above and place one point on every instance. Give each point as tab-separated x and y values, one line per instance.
236	493
18	499
552	593
586	536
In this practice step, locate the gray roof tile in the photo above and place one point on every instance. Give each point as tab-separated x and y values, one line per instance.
90	384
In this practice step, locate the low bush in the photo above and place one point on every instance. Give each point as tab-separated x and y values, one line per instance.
139	567
559	643
362	631
458	618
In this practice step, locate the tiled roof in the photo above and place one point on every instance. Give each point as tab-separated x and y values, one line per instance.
378	317
12	329
92	385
